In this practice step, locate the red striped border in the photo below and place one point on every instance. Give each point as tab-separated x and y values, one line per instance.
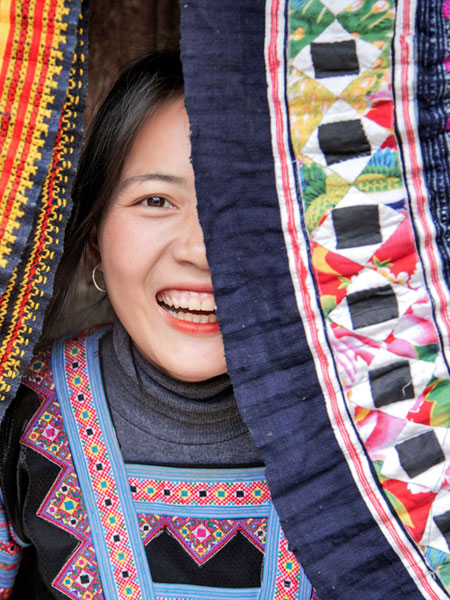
22	131
302	280
40	248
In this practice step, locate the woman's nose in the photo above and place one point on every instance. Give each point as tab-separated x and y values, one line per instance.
190	245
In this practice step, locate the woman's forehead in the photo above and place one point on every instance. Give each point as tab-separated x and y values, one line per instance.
162	143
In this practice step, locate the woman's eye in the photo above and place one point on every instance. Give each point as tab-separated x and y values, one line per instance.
156	202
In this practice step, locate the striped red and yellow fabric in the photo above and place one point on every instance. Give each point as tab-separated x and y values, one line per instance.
43	49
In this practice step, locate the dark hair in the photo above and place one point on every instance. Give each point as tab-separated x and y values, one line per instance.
137	94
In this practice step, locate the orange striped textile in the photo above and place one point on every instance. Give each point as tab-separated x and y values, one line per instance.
43	64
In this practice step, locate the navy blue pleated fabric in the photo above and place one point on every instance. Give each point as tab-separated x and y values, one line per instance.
322	512
433	102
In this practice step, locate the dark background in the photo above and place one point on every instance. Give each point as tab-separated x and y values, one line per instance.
120	30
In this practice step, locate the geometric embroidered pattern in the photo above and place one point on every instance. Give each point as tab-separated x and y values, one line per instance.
288	573
63	505
203	538
43	51
203	493
100	471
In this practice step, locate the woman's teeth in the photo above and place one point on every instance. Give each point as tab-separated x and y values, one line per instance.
188	316
197	307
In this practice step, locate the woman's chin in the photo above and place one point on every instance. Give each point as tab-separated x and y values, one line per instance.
186	358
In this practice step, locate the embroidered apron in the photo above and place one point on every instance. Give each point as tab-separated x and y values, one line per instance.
117	509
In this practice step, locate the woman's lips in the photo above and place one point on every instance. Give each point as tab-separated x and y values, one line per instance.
189	311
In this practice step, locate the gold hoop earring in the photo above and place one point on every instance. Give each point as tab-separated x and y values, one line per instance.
94	270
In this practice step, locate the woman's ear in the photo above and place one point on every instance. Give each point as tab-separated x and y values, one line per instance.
93	248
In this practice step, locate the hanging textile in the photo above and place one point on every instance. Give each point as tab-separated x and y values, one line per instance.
43	68
320	148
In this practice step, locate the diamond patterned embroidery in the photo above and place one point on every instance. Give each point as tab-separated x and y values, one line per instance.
369	276
63	505
100	470
288	574
203	538
203	493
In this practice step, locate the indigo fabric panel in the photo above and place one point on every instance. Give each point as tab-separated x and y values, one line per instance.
433	104
321	510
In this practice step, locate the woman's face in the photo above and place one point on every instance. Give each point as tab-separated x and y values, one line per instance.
153	256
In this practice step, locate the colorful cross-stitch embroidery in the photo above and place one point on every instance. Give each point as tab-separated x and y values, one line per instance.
63	506
203	493
100	471
43	49
202	538
288	574
378	313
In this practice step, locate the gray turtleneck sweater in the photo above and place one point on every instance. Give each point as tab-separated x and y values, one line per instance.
160	420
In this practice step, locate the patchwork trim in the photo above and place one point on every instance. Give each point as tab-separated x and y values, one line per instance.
369	304
405	76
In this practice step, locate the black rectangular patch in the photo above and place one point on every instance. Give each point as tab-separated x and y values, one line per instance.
335	59
356	226
392	383
369	307
443	524
343	140
420	453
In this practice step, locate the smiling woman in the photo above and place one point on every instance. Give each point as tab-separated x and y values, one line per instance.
158	482
151	250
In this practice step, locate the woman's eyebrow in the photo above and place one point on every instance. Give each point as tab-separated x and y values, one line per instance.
152	177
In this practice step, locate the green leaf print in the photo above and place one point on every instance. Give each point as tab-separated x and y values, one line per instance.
307	20
373	20
315	184
427	352
440	396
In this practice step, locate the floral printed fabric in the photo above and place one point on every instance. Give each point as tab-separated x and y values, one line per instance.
367	269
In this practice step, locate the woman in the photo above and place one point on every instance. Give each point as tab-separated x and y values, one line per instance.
127	470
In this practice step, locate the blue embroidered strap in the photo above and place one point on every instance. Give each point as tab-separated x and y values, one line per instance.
10	554
112	509
122	562
221	494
